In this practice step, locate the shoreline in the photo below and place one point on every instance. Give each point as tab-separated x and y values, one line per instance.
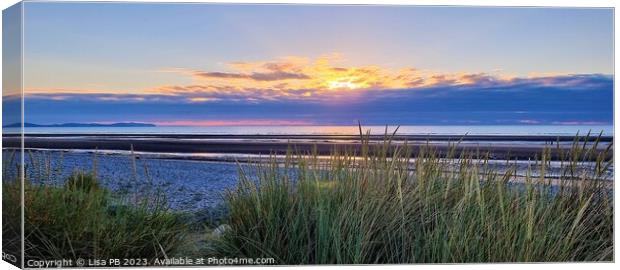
399	137
498	147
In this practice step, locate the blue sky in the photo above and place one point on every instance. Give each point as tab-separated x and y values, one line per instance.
202	64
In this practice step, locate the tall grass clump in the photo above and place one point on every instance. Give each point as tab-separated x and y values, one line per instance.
377	205
80	218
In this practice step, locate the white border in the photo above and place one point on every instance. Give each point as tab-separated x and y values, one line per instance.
508	3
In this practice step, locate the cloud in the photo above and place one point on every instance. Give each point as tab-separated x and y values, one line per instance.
325	90
577	122
568	99
257	76
529	121
235	122
202	99
327	78
455	85
223	75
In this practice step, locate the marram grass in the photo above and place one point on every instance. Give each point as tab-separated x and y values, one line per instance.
373	206
382	207
81	219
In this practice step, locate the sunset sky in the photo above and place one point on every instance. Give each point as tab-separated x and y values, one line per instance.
203	64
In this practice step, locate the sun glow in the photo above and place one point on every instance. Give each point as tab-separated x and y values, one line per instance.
202	99
343	83
298	77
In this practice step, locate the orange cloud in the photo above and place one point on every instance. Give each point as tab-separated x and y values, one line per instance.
202	99
295	76
324	78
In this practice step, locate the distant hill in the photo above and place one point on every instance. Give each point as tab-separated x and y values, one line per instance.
124	124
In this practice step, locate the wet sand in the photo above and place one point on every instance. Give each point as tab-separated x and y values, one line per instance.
498	147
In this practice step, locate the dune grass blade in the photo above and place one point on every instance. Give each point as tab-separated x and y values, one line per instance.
380	206
82	219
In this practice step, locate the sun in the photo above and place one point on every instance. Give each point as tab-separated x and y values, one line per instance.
343	83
